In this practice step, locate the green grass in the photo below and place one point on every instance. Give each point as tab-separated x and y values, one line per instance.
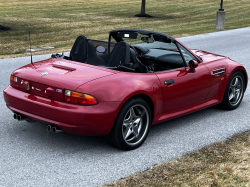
58	23
218	165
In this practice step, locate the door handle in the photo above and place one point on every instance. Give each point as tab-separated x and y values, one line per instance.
169	82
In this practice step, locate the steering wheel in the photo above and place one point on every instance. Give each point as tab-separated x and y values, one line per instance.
136	61
132	47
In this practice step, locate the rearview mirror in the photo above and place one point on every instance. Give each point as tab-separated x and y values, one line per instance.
147	39
192	65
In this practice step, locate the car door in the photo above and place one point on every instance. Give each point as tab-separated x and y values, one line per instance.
182	88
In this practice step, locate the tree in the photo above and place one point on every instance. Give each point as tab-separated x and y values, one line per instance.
143	10
143	7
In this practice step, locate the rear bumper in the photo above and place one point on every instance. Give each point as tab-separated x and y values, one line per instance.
75	119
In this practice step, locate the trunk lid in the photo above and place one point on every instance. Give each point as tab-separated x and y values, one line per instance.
50	77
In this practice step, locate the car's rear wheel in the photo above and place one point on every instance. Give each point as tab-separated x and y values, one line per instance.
132	125
234	91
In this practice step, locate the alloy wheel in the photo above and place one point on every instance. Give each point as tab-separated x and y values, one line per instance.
235	90
135	124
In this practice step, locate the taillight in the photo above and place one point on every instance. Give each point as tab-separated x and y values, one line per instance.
14	81
79	98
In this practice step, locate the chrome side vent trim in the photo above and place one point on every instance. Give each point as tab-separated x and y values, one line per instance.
218	71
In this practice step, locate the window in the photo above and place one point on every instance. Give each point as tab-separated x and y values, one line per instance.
186	54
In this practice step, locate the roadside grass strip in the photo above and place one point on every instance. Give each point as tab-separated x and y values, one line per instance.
217	165
58	23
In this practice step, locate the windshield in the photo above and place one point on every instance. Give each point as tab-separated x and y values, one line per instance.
158	45
151	41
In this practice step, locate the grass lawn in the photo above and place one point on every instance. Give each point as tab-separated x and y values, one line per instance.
58	23
218	165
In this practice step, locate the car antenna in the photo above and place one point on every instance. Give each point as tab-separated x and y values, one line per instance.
30	50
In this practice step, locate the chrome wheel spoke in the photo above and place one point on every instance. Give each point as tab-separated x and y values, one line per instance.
137	121
127	133
126	123
231	96
235	82
237	95
132	113
238	90
135	131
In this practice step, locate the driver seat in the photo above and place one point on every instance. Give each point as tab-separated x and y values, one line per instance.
120	55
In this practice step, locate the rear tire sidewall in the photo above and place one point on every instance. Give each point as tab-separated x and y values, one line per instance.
116	136
225	102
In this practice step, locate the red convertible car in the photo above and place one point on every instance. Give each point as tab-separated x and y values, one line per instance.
121	87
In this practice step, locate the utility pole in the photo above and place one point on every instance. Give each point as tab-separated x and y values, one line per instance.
220	20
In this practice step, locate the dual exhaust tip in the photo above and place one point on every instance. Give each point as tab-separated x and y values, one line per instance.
19	117
55	129
50	128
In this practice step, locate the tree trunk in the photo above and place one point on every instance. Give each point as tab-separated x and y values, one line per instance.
143	10
143	7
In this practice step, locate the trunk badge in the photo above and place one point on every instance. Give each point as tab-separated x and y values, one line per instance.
44	73
59	90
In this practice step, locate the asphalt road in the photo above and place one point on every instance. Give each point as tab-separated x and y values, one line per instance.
30	156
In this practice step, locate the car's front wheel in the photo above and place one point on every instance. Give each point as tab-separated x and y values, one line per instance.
132	125
234	91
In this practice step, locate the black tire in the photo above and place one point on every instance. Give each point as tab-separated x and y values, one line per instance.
132	125
234	91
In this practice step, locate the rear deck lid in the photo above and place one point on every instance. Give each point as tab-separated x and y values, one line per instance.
50	77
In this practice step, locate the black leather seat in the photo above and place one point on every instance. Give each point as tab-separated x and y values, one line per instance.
120	54
78	52
134	59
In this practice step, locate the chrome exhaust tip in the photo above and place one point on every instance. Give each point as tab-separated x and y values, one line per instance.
56	129
15	115
21	117
49	128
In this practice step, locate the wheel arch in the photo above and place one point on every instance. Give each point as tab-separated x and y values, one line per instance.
245	76
243	71
148	100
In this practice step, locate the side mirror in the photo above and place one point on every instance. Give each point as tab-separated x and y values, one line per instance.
192	65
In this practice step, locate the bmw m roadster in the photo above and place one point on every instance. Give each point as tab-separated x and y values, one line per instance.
122	86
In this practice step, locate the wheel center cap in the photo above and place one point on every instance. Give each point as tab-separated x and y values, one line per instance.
131	124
